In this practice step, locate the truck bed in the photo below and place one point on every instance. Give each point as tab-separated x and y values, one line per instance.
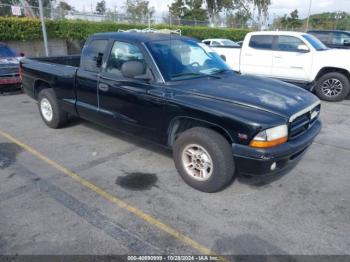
72	60
231	55
59	72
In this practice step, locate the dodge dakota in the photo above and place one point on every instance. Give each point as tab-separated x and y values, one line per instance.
177	92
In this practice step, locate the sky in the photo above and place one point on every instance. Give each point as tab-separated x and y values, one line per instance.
277	8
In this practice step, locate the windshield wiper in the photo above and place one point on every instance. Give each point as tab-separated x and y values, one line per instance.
219	71
192	74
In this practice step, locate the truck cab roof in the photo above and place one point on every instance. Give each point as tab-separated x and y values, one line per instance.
137	36
289	33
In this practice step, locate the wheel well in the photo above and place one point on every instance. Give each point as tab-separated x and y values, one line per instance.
180	125
39	86
327	70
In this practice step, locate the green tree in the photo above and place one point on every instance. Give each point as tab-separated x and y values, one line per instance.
263	7
188	9
62	9
35	7
241	11
138	10
64	6
101	7
215	7
290	21
238	19
330	20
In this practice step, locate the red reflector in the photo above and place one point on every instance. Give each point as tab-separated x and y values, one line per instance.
20	72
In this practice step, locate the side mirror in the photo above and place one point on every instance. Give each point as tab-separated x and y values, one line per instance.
303	49
346	42
21	54
99	59
223	57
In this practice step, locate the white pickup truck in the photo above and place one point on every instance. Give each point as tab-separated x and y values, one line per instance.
294	57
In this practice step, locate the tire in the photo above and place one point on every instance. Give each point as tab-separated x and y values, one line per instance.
47	99
216	150
329	83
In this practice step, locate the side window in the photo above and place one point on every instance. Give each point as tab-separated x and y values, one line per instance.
261	42
207	42
121	53
288	43
90	54
215	43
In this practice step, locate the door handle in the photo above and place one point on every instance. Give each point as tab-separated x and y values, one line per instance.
156	92
278	57
103	87
248	55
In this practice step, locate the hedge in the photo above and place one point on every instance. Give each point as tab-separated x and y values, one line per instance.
28	29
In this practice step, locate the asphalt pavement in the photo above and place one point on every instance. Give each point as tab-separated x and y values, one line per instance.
85	189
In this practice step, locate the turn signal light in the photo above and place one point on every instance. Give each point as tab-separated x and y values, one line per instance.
265	144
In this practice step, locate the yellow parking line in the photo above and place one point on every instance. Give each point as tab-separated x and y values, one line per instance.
115	200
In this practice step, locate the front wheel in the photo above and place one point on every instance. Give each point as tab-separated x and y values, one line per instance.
204	159
333	87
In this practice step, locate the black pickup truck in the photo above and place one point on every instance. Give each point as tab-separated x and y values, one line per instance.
178	93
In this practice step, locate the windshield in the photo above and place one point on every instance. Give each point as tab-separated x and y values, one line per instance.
229	43
6	51
185	59
317	44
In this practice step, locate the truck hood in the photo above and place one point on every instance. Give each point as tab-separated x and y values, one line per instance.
334	57
9	61
260	93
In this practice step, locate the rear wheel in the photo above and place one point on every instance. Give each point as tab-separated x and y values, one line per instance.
204	159
333	87
50	112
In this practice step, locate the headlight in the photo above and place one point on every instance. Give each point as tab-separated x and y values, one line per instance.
270	137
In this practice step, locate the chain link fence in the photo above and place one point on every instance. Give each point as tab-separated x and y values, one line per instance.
58	13
116	16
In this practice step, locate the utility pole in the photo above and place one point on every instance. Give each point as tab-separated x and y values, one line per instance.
308	17
43	27
170	14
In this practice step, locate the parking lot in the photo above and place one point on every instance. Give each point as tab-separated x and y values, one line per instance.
88	190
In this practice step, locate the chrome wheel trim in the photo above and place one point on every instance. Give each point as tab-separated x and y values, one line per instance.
197	162
332	87
46	109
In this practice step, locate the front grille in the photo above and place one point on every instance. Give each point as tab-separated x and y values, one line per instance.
302	123
9	71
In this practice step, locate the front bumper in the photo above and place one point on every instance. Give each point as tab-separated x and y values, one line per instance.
10	80
254	161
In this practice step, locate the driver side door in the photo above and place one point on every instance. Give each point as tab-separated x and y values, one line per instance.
134	105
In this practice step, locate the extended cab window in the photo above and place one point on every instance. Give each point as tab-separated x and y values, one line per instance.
288	43
261	42
323	36
91	53
121	53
